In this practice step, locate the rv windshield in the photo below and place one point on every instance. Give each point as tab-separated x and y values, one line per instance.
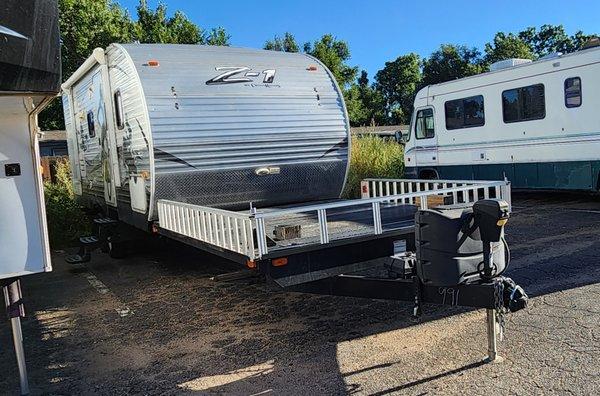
424	125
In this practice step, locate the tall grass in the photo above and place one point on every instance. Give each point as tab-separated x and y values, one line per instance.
66	220
372	156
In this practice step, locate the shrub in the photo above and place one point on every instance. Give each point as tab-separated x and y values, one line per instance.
372	156
66	220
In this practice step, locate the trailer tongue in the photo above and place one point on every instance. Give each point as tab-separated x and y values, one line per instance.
458	244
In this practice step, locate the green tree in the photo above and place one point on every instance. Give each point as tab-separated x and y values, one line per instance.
451	62
334	54
285	44
398	82
217	36
552	38
366	105
505	46
357	111
154	26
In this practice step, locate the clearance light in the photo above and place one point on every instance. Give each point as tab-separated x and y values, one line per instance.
279	262
312	68
153	63
365	189
251	264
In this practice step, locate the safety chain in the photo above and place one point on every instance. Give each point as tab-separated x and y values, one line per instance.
499	304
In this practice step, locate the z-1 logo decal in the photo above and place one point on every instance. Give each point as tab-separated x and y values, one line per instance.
230	72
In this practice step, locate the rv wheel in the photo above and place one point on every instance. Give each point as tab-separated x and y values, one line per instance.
116	249
104	248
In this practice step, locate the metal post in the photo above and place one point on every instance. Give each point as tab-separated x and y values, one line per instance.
14	307
18	342
492	334
488	260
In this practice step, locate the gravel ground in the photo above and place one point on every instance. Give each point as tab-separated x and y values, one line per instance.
156	324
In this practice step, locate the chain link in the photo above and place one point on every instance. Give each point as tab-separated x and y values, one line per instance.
499	304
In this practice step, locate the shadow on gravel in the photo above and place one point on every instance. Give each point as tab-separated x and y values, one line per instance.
431	378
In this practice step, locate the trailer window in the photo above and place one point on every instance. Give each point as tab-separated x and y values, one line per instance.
524	104
573	92
465	113
424	126
119	109
90	124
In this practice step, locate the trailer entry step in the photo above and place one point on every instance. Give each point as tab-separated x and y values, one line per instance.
105	221
89	240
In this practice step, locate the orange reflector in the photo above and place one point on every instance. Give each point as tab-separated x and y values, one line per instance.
251	264
312	68
153	63
279	262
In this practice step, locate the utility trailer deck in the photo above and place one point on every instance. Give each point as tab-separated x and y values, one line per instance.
386	208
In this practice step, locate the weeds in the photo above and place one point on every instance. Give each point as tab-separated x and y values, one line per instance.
66	220
372	156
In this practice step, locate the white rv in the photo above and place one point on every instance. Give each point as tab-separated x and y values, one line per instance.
535	123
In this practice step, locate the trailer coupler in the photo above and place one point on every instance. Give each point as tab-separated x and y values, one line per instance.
498	296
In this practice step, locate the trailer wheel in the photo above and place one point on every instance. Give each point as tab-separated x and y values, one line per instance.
428	174
116	249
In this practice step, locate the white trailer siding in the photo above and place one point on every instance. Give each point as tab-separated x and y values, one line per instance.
134	139
273	131
23	231
560	150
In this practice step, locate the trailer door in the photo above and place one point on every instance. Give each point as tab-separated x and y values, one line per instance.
425	137
105	136
93	126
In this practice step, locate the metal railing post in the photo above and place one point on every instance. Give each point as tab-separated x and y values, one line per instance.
377	218
323	230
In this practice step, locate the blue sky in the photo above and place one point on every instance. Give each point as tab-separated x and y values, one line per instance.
378	31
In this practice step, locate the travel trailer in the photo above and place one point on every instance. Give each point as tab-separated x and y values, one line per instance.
208	125
533	123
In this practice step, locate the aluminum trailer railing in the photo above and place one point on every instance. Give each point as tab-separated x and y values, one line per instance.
245	233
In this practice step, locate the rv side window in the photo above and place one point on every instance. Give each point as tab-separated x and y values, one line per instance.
90	123
465	113
424	127
524	104
573	92
119	109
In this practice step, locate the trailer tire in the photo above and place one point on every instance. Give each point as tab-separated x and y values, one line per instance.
428	174
116	250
